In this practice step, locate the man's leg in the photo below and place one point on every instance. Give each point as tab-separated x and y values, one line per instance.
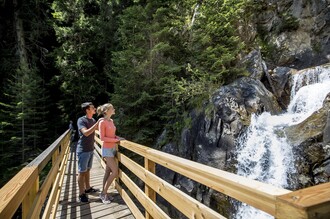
87	179
89	189
82	170
81	182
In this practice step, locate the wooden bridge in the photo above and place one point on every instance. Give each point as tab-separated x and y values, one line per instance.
47	188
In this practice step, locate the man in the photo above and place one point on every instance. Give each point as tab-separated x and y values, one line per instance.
85	147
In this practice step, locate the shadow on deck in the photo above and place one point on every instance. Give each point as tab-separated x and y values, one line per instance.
69	205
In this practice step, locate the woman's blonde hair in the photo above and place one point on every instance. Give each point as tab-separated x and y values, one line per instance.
101	110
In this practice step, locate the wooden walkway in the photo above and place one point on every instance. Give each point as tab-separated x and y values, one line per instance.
69	205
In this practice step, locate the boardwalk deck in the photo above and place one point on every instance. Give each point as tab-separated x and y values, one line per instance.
70	207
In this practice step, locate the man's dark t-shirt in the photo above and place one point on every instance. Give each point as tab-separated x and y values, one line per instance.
85	144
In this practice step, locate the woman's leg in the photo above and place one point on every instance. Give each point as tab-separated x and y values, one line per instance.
106	176
111	163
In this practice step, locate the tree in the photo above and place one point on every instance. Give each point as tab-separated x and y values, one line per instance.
150	54
23	124
213	48
79	56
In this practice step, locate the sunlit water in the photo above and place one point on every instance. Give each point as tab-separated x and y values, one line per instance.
263	151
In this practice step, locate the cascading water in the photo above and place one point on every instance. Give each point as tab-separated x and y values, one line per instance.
263	152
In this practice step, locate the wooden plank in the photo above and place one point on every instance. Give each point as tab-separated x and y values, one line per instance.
183	202
45	188
57	187
255	193
134	209
97	155
284	211
136	148
27	203
42	160
98	142
56	182
70	207
145	201
312	202
12	194
151	167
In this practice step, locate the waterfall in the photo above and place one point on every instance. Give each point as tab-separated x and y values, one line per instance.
263	152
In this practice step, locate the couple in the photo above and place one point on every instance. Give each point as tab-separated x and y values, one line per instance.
85	147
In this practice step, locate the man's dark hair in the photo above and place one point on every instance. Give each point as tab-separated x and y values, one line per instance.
85	106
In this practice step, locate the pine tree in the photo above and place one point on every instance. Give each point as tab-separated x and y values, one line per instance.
23	123
151	54
212	49
80	56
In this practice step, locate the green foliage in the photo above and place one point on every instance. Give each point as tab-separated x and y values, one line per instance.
289	23
215	41
172	56
80	55
156	60
23	125
27	109
147	59
212	47
23	96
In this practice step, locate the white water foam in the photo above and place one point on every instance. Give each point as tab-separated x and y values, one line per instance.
263	152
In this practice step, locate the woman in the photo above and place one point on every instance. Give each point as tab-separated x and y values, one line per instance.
107	130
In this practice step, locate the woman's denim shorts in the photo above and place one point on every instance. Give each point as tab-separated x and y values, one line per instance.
108	152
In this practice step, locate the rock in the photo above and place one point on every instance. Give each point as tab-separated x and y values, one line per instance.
312	127
326	131
298	32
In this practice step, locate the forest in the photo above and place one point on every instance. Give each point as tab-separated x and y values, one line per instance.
154	60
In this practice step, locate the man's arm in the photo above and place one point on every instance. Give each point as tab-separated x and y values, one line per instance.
86	132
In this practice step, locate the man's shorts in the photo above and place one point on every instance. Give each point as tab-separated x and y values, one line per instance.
85	161
108	152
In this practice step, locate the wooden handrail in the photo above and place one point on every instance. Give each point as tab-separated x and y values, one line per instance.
24	189
252	192
275	201
312	202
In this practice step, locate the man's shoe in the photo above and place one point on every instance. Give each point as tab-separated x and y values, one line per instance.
91	190
83	198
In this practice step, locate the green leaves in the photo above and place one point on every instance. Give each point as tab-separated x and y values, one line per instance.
164	69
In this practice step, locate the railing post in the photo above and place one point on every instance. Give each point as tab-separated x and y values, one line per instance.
116	181
29	198
309	203
151	167
13	193
54	156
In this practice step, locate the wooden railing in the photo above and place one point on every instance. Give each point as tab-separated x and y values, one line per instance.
37	200
313	202
40	199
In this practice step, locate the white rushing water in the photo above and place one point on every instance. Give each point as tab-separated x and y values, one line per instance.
263	152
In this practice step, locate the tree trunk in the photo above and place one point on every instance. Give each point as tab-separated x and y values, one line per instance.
18	24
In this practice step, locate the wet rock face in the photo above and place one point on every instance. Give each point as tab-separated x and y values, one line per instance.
299	30
254	64
298	33
313	147
211	138
326	131
280	78
225	117
312	127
